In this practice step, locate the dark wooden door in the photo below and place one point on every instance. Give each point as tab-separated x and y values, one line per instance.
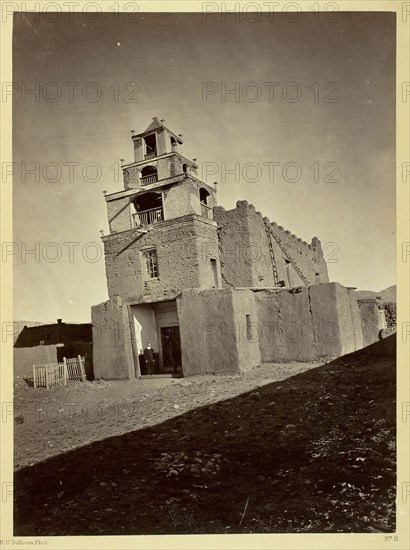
171	349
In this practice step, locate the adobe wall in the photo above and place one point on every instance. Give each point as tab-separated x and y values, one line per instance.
246	321
370	320
285	326
119	215
245	242
25	358
302	324
183	198
178	244
176	166
177	201
234	248
163	167
208	332
112	352
232	330
163	141
131	177
337	317
213	331
308	257
207	249
307	323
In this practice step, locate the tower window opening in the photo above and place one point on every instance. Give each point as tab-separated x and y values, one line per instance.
149	209
150	146
149	175
204	200
185	168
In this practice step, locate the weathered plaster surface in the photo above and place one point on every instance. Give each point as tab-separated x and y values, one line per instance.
370	320
307	323
250	245
183	259
25	358
112	337
213	330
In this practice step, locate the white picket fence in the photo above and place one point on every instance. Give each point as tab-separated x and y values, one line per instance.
54	374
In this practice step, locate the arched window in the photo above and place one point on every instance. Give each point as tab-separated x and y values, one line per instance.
204	200
174	143
148	208
149	175
185	168
203	196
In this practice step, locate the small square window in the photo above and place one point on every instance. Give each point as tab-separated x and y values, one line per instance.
150	263
42	342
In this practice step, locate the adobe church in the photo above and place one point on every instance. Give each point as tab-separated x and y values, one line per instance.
214	291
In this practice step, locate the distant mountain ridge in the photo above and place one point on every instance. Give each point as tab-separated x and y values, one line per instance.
388	294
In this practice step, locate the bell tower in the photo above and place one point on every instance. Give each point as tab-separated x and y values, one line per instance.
157	155
162	237
164	182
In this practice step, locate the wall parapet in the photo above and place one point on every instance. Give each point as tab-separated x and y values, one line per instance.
315	243
283	257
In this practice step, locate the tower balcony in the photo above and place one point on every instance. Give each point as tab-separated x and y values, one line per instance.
150	155
146	180
148	217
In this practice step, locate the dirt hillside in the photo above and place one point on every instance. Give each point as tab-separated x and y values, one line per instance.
312	453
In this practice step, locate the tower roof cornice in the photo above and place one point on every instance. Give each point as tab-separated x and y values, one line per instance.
156	125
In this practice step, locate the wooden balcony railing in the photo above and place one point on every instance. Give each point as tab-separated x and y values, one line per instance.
150	155
148	217
146	180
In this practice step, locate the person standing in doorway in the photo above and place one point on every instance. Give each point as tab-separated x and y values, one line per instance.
149	358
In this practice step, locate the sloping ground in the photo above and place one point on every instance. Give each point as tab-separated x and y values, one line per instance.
313	453
55	421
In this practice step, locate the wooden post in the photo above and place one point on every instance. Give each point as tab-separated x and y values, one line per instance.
65	371
82	370
34	376
46	373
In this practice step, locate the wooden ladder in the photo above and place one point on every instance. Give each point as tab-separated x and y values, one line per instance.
272	255
283	248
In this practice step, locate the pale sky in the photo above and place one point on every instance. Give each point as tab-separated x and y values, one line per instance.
164	61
